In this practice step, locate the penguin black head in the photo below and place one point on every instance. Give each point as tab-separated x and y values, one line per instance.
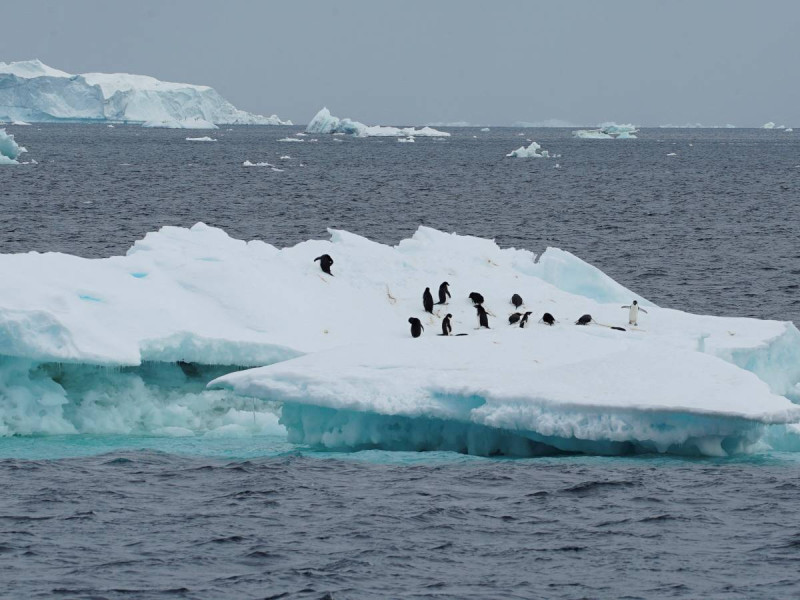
635	303
445	284
448	316
527	314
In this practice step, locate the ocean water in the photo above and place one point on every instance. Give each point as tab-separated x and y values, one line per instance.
713	229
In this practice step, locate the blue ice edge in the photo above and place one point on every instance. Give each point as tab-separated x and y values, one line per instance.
636	432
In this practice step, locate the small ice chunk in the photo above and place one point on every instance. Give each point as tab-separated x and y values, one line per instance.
205	138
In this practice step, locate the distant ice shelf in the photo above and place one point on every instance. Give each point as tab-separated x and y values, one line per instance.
31	91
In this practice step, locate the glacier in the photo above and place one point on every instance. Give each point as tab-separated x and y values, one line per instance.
34	92
129	343
9	149
534	150
607	131
324	122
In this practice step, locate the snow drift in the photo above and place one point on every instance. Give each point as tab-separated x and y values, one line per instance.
9	149
324	122
127	344
32	91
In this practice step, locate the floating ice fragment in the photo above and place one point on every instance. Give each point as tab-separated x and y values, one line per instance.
532	151
324	122
200	139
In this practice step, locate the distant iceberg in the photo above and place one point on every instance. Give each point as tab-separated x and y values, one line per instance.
324	122
607	131
532	151
349	377
771	125
31	91
9	149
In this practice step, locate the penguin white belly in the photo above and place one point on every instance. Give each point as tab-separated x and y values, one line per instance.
633	315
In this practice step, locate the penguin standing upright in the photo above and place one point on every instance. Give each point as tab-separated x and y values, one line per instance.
523	322
427	300
416	327
444	293
516	300
447	328
633	313
325	263
483	319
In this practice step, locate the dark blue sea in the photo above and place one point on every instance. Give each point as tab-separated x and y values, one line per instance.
713	229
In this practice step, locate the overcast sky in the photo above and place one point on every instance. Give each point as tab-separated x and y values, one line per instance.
413	62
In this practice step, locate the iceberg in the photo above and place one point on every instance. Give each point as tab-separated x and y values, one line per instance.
32	91
128	343
9	149
532	151
607	131
324	122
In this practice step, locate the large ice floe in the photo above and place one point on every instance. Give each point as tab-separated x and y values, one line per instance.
32	91
607	131
9	149
324	122
127	344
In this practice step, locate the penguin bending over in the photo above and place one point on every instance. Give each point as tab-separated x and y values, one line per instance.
325	262
444	293
548	319
416	327
483	319
476	298
447	328
427	300
516	300
514	318
523	322
584	320
633	314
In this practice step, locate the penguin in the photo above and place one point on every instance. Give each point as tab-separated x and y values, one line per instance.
523	322
325	262
416	327
548	319
633	313
516	300
483	319
447	329
514	318
444	293
584	320
476	298
427	300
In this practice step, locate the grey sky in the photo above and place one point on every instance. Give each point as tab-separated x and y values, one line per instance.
710	61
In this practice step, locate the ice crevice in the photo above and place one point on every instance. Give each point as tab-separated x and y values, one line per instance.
128	343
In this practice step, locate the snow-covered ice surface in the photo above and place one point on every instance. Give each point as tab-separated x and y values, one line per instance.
349	375
534	150
677	386
685	383
32	91
9	149
607	131
324	122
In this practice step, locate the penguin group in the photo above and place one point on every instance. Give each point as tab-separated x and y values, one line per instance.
518	319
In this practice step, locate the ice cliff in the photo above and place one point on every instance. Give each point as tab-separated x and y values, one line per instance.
324	122
32	91
127	344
